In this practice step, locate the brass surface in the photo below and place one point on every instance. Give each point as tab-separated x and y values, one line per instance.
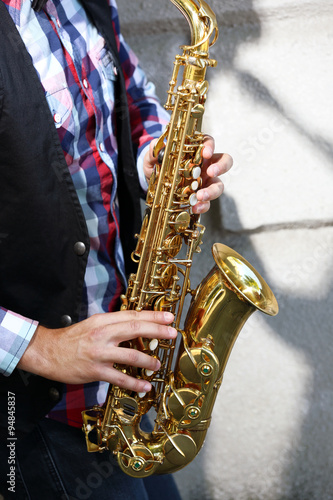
186	385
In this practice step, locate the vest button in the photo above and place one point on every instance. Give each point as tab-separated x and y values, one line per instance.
66	320
54	394
79	248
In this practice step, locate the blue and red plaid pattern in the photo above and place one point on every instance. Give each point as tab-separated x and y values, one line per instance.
77	74
16	332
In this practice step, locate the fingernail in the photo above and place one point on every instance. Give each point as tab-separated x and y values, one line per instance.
216	171
147	387
168	316
172	332
208	152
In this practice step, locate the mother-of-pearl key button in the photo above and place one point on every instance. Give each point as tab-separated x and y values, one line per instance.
149	373
196	172
193	199
153	344
141	394
194	185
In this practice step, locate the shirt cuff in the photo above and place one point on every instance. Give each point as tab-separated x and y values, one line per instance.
16	332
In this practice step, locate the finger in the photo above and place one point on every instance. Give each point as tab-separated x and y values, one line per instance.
152	159
121	332
209	147
131	357
161	317
116	377
219	164
149	160
201	208
212	190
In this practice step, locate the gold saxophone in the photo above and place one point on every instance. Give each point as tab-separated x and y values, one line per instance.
186	386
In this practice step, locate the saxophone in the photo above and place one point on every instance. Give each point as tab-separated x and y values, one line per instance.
185	387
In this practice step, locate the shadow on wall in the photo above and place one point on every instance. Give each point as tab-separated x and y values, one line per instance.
247	30
308	473
305	471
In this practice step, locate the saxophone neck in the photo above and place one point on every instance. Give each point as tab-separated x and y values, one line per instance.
203	24
204	31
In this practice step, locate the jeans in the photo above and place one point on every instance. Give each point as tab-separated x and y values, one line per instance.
52	463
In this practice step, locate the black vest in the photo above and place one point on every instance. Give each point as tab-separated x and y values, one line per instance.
41	220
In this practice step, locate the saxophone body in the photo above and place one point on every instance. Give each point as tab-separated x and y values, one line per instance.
192	366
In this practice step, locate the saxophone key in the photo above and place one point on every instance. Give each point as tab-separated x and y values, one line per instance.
193	199
153	344
198	110
137	460
196	172
180	449
185	405
180	222
198	155
172	245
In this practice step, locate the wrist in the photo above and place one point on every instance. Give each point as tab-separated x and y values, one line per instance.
37	358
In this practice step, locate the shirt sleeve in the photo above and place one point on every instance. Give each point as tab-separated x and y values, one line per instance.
148	118
15	335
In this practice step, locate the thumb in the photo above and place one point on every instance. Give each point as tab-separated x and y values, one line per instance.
149	160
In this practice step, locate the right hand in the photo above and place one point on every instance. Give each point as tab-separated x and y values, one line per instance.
86	351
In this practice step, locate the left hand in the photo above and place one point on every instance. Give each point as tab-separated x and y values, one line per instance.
214	165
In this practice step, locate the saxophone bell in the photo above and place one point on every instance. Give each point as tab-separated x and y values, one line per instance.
224	300
222	303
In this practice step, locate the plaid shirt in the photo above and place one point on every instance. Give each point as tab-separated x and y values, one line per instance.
78	74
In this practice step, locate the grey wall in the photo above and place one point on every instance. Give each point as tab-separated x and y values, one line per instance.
270	105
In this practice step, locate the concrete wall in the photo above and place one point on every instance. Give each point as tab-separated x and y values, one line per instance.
270	105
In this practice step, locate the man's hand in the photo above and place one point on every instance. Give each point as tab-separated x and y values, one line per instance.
85	352
214	165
